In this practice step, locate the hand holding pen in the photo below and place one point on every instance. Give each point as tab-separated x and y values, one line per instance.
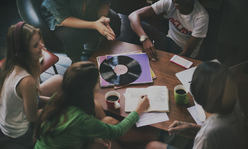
142	105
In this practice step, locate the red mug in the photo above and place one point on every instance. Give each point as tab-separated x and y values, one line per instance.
112	99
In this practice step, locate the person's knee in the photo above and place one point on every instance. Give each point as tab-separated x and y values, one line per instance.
110	120
156	145
58	77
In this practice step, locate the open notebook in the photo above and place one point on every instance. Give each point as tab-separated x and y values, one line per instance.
186	76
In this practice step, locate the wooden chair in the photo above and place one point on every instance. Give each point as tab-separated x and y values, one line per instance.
49	59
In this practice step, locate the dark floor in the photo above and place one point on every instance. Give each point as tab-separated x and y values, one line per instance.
9	16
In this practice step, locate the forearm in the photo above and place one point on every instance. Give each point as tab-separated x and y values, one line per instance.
190	46
103	10
35	117
187	51
191	126
135	22
78	23
42	102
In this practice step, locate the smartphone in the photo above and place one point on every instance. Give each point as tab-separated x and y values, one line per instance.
181	61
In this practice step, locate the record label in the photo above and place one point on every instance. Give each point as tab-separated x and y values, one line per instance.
120	70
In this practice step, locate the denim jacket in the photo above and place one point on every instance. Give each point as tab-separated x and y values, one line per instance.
56	11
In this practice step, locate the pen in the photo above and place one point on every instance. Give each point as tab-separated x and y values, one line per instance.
118	87
153	59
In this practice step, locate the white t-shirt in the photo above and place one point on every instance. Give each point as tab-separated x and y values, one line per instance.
181	27
13	120
222	132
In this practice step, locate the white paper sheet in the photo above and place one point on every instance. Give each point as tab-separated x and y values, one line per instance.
151	118
192	110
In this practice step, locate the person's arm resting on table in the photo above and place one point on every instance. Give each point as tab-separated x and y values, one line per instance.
135	20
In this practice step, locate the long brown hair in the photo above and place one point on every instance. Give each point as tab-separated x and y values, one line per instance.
77	89
33	68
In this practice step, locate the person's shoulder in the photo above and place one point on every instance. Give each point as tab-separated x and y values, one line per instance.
200	10
28	81
75	110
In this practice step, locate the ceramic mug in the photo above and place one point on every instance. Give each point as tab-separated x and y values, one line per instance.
181	94
112	99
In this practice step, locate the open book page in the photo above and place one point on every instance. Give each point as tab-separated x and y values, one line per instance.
132	96
159	99
158	96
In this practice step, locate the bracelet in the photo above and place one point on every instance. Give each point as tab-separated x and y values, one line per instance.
102	15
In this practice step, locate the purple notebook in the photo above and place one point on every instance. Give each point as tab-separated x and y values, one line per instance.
143	60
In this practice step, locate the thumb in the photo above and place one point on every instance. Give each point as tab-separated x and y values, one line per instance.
172	129
105	20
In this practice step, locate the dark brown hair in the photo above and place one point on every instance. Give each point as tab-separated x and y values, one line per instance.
77	90
214	88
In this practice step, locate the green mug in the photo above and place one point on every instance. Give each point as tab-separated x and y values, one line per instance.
181	94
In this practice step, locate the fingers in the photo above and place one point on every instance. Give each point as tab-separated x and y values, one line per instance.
104	20
154	53
109	145
150	50
174	124
110	29
110	35
104	142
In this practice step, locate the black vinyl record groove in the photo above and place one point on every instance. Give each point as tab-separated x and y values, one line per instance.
120	70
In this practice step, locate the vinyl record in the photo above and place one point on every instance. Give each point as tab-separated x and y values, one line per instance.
120	70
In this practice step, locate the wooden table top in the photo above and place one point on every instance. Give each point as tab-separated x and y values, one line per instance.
163	69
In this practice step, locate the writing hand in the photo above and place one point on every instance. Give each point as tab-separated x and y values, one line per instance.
102	26
177	126
150	50
142	105
104	142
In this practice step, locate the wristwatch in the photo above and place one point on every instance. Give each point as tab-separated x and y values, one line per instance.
143	38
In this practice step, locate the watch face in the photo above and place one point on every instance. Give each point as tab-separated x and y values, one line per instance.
143	38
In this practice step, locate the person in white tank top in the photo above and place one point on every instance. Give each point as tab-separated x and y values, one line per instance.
20	92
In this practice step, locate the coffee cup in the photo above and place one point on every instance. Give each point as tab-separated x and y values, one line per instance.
112	99
181	94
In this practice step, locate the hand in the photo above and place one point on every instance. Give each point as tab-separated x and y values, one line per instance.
103	27
142	105
104	142
178	126
150	49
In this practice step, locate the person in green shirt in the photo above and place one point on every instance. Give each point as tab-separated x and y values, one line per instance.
72	119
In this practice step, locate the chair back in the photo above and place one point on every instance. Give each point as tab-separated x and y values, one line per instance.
29	11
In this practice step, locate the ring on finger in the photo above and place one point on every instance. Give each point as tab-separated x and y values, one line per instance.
105	34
